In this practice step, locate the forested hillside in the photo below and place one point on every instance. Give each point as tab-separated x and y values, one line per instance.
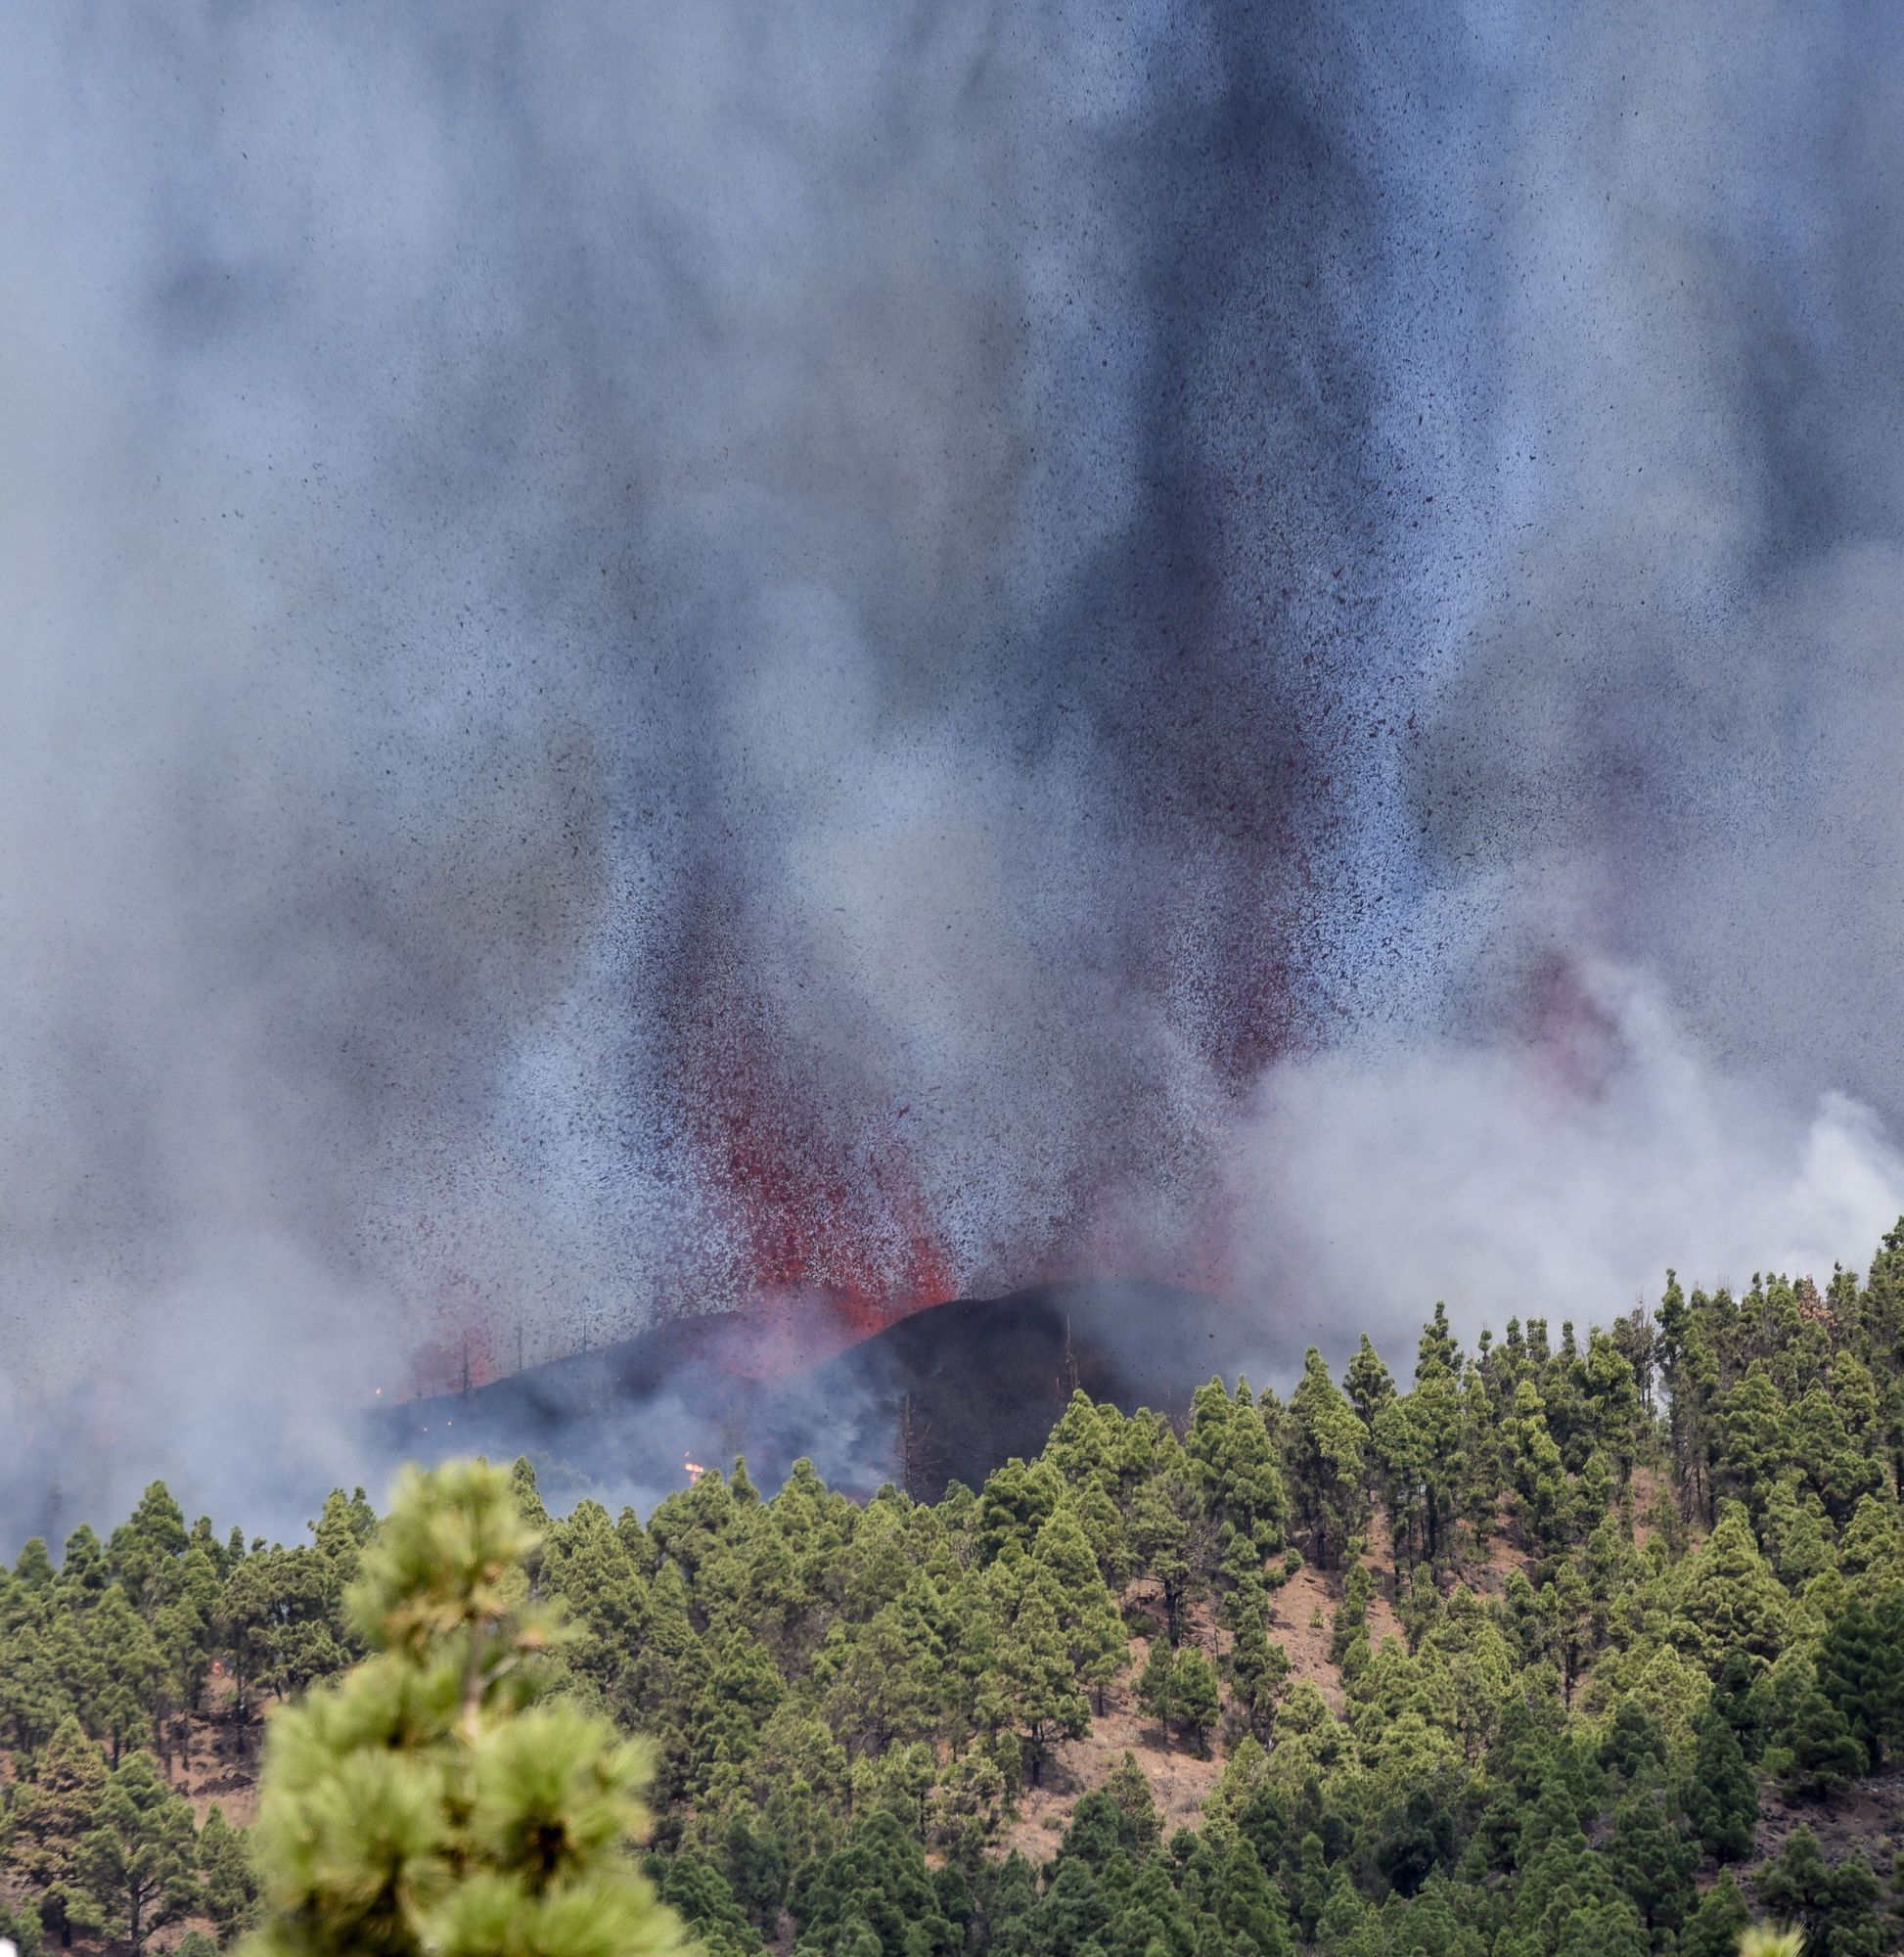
1566	1646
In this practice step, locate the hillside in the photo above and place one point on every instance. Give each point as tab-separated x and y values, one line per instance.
1558	1645
945	1393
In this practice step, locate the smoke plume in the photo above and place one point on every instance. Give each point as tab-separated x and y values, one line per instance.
662	658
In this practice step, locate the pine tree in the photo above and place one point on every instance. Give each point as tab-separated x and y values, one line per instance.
1349	1925
1714	1928
228	1882
1834	1906
1754	1450
1165	1522
700	1895
1327	1447
1614	1401
181	1630
146	1548
1128	1788
1861	1671
1539	1471
1652	1861
47	1821
1722	1798
1633	1748
1259	1670
1250	1907
1825	1752
1157	1684
1368	1383
34	1697
1732	1602
1036	1681
131	1667
1567	1611
588	1565
1399	1449
437	1798
1195	1693
1236	1468
21	1928
1087	1616
1436	1415
138	1864
1010	1906
873	1894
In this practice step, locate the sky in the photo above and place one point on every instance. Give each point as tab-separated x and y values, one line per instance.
655	656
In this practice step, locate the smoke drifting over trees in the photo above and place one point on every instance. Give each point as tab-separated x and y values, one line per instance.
902	650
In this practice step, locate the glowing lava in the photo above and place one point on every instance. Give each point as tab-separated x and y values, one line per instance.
825	1230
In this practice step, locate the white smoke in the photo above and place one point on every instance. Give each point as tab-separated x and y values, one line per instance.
1509	1179
1045	555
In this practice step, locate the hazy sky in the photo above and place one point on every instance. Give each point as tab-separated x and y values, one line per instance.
906	647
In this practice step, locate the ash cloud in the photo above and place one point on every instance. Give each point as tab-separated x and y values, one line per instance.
1022	639
1559	1179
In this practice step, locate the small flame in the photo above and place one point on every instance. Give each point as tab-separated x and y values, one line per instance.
695	1470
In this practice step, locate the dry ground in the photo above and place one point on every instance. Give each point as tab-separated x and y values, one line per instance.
1179	1778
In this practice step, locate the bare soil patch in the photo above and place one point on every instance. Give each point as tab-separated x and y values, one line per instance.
1180	1779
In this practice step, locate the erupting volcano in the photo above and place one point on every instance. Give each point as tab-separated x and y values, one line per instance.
826	1248
734	677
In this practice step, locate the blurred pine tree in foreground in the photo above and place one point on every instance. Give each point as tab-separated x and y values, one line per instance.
435	1798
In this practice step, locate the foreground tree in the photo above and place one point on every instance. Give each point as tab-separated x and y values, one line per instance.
436	1799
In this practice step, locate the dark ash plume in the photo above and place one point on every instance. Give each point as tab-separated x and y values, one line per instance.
899	650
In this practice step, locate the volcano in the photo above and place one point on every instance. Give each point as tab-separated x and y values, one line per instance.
945	1393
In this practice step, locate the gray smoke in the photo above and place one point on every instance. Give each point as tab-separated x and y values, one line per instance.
1121	633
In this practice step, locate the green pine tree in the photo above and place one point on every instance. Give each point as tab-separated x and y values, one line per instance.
21	1929
1834	1906
1157	1684
1715	1927
227	1879
436	1799
1652	1860
1825	1752
1732	1601
1861	1671
1327	1447
1195	1691
1722	1798
138	1864
45	1824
